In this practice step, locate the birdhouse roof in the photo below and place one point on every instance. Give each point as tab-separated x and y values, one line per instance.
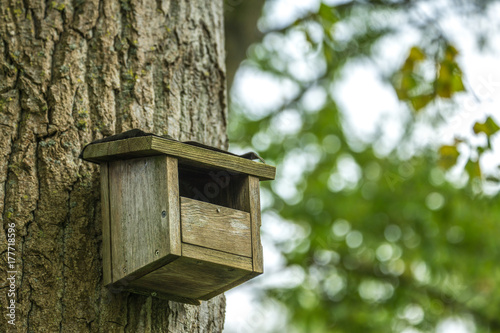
135	143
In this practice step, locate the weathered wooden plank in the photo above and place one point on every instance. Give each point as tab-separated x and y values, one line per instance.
188	154
173	205
228	286
209	158
144	270
116	202
216	257
215	227
190	278
120	149
254	196
106	236
138	211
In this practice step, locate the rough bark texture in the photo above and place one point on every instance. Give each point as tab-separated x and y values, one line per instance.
72	72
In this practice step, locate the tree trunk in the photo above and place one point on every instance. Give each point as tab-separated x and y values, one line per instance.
72	72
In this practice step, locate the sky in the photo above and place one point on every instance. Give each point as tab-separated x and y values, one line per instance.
379	105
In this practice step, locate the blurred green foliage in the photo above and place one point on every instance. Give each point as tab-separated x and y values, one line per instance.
384	243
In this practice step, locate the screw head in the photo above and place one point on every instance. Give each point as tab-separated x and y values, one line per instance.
153	294
163	214
157	252
218	210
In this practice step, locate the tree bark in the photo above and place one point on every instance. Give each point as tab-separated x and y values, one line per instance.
72	72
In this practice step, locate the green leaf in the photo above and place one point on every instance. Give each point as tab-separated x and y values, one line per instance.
421	101
416	55
328	14
489	127
448	156
473	169
449	76
409	85
450	53
457	83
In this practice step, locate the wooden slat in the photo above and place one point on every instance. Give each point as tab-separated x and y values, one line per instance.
190	278
144	270
216	227
115	212
173	206
188	154
254	196
113	150
228	286
216	257
138	196
106	236
209	158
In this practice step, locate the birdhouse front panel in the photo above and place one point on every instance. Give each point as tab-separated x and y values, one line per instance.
180	222
216	227
143	213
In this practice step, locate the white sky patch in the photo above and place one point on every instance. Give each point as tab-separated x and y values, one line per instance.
261	92
291	172
281	13
313	99
258	317
456	325
287	122
368	103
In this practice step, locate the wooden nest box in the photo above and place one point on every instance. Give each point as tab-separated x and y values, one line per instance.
180	221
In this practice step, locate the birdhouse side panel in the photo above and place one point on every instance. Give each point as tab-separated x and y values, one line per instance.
254	203
106	236
245	196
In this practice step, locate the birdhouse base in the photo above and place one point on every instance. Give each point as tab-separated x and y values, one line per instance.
199	274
